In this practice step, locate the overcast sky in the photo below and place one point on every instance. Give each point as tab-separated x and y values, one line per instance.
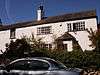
13	11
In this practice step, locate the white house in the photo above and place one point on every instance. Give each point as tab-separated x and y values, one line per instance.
65	27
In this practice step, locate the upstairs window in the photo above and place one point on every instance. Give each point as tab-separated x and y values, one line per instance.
77	26
12	34
44	30
69	27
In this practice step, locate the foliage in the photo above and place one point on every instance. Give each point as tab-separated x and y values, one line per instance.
94	37
17	49
76	58
36	44
25	47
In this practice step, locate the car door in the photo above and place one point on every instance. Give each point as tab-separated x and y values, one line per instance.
60	69
28	67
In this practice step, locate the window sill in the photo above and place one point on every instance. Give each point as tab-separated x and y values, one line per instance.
45	34
77	30
12	37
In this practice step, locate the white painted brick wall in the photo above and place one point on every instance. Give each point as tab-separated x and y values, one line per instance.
58	29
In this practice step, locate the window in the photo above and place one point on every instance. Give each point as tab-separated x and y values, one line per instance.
48	46
57	65
28	65
20	65
44	30
77	26
38	65
12	34
69	27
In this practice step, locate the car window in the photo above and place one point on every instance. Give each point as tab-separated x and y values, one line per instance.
38	65
57	65
29	65
19	65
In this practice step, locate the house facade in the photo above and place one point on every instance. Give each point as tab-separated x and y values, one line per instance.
62	28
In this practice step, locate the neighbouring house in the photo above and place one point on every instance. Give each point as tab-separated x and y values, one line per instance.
65	28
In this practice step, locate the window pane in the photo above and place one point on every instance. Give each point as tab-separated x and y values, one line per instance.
20	65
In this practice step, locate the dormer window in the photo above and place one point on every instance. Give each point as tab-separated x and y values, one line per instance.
44	30
12	34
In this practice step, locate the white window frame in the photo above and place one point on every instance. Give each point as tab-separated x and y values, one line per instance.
44	30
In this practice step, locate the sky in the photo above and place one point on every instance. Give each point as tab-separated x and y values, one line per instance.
14	11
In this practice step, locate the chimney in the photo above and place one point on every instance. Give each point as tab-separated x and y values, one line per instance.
40	13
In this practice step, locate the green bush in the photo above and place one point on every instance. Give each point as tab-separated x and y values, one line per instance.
77	58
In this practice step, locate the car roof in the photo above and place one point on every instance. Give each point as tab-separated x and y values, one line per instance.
33	58
44	58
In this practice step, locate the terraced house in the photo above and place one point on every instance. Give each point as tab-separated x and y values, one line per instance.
67	28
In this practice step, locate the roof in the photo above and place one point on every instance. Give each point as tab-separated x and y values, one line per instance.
66	36
53	19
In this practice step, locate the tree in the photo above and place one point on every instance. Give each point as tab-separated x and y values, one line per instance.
94	37
38	48
17	49
36	43
76	58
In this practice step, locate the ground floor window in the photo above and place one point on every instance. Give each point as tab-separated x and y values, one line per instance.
48	46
